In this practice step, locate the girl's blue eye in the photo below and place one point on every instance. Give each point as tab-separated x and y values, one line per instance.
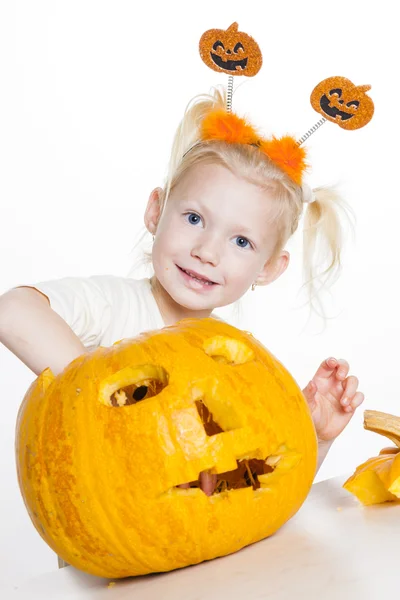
242	242
193	218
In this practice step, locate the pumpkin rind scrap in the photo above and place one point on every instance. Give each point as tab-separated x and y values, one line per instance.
102	447
374	481
378	479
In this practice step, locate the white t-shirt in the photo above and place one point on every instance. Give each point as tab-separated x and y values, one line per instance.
103	309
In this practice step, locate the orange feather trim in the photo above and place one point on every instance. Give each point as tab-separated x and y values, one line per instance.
287	155
227	127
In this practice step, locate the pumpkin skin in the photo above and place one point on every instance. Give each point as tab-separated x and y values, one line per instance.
98	475
230	51
341	102
378	479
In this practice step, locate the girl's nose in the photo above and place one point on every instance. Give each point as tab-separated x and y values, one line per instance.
206	251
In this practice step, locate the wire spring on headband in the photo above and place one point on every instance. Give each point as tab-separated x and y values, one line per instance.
311	131
229	94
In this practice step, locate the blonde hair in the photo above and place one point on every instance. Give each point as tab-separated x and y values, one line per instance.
322	236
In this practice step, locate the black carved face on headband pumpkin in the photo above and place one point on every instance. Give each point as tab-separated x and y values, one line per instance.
230	51
340	101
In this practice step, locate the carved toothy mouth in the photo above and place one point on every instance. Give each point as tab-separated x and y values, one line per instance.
229	65
245	475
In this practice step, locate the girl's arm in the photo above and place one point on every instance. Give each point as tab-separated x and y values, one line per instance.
35	333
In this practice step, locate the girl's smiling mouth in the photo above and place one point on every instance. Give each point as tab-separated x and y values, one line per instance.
195	278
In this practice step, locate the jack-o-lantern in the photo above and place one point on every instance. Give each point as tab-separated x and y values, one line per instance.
104	448
230	51
378	479
340	101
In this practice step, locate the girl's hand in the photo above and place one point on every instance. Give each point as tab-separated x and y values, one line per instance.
333	398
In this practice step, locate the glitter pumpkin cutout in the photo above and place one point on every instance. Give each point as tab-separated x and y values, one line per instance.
230	51
338	100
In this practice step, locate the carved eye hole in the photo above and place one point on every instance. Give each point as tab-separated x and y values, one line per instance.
217	45
238	47
336	92
140	392
227	350
132	385
353	104
131	394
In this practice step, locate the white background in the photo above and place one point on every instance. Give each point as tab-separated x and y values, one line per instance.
91	93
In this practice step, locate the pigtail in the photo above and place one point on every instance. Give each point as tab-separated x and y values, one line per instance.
323	242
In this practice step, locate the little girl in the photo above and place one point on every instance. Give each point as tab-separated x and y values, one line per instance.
220	225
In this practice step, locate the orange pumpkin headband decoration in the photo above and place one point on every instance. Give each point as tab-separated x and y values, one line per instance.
230	51
336	99
228	127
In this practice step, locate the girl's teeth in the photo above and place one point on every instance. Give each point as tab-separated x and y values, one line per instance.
197	279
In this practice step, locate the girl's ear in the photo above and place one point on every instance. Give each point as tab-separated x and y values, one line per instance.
272	270
153	210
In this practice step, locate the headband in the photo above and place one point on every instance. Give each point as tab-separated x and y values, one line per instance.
336	99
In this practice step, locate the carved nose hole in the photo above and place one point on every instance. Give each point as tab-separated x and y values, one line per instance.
211	427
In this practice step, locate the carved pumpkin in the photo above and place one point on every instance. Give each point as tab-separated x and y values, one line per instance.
378	479
102	447
340	101
230	51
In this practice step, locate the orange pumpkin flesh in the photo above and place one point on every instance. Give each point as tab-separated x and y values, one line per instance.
102	447
378	479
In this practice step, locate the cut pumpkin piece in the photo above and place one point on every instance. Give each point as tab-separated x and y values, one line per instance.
370	481
378	479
